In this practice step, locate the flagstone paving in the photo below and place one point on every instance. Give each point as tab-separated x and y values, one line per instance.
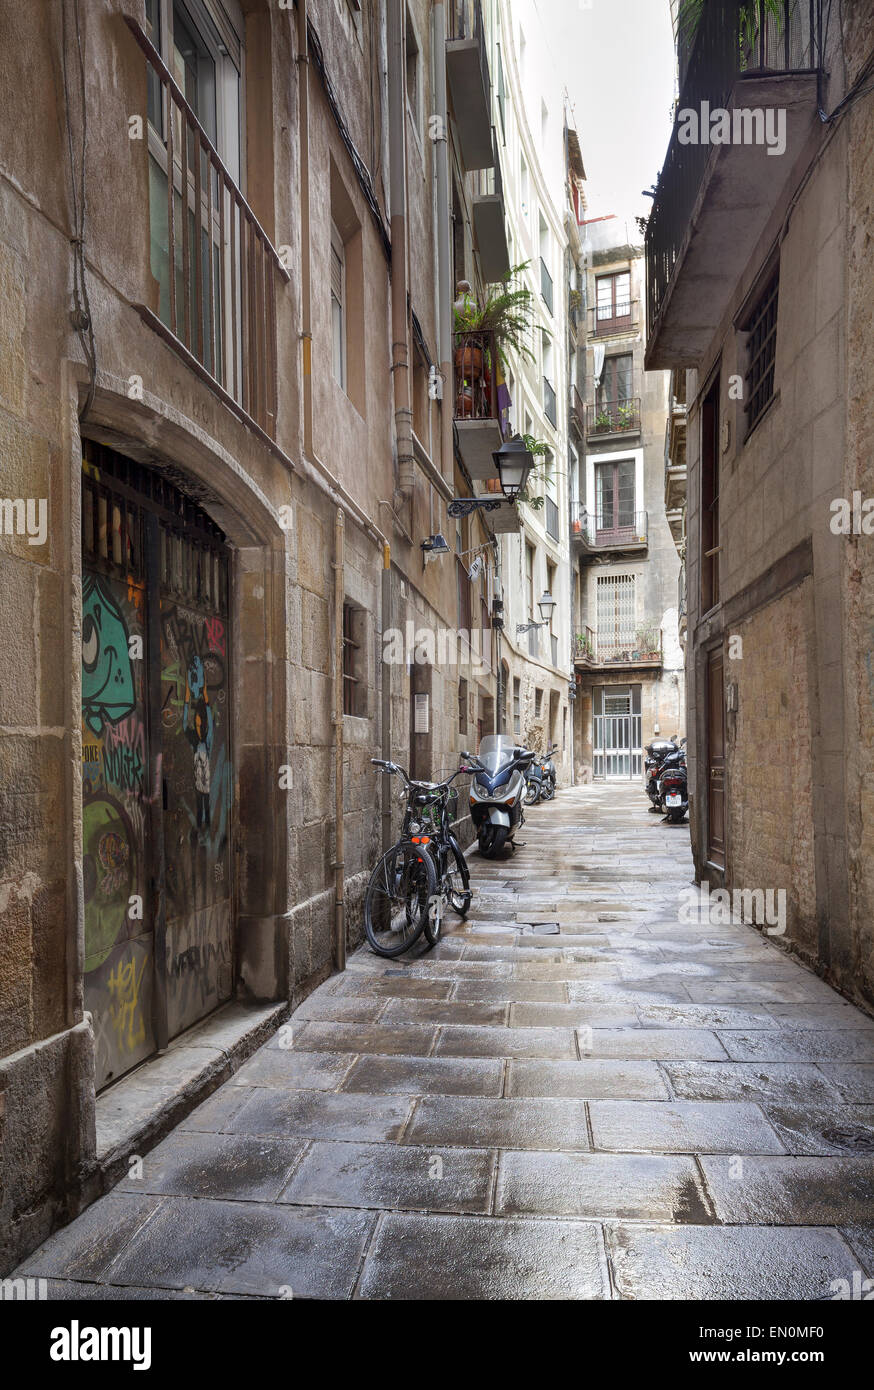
631	1108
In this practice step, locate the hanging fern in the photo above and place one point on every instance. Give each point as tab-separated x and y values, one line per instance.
691	12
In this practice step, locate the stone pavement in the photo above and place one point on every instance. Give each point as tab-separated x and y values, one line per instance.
631	1108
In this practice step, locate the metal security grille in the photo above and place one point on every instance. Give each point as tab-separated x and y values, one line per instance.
616	608
617	750
761	353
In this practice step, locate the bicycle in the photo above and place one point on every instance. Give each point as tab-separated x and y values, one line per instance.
424	870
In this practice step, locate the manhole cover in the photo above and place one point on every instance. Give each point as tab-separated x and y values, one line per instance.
845	1137
540	928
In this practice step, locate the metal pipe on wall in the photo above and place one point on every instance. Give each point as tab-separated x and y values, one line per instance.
445	288
400	328
339	868
387	836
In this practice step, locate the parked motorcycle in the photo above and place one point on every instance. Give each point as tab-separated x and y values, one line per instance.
673	784
656	752
549	773
497	791
533	784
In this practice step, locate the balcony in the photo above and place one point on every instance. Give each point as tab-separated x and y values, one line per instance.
608	418
467	72
506	518
547	290
614	320
675	467
550	516
550	408
642	649
479	424
593	532
217	309
489	221
577	412
714	201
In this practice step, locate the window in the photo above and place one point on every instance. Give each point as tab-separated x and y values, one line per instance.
616	379
614	494
338	307
529	579
710	498
615	603
761	353
517	706
354	671
200	42
612	300
538	702
462	706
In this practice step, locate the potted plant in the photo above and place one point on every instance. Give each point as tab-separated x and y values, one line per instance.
626	416
603	420
648	642
585	647
505	314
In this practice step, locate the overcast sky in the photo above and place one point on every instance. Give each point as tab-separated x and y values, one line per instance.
616	59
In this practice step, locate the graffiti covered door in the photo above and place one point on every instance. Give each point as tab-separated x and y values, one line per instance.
119	930
157	772
196	788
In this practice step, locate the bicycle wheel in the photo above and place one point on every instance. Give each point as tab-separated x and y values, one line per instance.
457	881
398	898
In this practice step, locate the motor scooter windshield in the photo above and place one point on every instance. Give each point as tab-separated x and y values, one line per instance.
496	752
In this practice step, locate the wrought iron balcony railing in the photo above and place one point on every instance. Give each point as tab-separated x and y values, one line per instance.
613	417
613	530
476	390
217	306
549	402
546	286
577	413
735	39
645	647
610	320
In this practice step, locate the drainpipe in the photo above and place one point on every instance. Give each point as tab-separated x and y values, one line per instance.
303	83
387	837
397	153
445	337
339	594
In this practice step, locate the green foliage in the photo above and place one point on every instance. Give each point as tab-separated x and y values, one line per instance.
506	312
691	12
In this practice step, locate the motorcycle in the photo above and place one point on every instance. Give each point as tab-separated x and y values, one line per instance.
549	773
673	784
533	784
656	752
497	791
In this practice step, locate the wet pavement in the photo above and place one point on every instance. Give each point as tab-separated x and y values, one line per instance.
630	1108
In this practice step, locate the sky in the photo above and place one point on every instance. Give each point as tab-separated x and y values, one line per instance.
616	59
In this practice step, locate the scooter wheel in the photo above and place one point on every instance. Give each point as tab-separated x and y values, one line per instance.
492	839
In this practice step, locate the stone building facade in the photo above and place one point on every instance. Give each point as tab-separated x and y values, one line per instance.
228	251
778	354
629	664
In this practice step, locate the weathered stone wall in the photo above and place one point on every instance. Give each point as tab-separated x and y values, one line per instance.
769	803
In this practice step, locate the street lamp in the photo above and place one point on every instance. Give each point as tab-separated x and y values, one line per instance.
514	463
546	605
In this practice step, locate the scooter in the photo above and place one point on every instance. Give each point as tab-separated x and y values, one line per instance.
673	784
497	791
656	752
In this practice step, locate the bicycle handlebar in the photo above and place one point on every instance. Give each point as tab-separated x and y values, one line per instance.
392	768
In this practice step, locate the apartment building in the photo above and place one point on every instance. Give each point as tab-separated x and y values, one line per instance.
627	656
230	236
759	283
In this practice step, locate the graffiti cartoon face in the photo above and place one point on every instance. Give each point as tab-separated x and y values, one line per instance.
107	675
195	677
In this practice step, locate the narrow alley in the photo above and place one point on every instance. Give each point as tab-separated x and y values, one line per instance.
574	1095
